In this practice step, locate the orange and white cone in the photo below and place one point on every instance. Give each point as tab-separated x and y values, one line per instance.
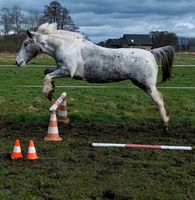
52	132
63	113
32	155
16	154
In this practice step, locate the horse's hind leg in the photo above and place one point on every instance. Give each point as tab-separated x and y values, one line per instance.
158	99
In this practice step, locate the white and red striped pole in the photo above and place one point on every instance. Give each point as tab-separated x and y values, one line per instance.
143	146
58	102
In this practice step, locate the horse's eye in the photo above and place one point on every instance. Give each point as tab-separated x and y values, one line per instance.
25	44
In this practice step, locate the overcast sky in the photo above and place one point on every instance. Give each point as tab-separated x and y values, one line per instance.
102	19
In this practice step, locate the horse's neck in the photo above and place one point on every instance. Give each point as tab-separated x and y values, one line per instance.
52	45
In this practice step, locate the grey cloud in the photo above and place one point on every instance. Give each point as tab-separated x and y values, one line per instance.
25	4
133	6
100	19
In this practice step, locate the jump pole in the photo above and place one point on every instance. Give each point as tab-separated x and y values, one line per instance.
61	103
58	102
143	146
53	132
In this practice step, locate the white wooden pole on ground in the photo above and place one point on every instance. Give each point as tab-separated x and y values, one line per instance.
142	146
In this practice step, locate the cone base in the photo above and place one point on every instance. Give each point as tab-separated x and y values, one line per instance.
16	157
35	158
64	120
51	138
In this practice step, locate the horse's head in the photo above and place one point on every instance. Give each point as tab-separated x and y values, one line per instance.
29	49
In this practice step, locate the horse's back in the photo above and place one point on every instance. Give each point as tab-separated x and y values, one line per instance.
105	65
120	55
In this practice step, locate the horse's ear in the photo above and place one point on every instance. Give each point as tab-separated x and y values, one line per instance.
29	34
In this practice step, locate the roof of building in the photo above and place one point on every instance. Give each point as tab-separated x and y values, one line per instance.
114	42
138	39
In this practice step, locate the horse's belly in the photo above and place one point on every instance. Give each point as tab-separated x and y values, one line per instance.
105	72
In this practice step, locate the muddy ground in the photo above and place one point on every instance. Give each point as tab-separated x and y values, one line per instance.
73	169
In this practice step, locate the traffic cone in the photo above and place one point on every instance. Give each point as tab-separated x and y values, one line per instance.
16	154
52	132
32	155
63	114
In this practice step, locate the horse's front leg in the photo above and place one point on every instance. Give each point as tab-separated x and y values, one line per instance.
48	86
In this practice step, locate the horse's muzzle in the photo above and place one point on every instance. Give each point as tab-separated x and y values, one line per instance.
17	63
20	63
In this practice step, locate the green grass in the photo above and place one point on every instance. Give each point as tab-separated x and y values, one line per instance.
116	101
9	59
118	113
184	59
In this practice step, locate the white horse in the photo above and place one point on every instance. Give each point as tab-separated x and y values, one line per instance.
77	57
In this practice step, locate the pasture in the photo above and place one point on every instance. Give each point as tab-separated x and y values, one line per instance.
114	112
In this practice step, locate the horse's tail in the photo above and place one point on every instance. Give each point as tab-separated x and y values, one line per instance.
165	55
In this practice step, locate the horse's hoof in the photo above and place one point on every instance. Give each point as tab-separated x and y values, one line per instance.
166	130
166	127
50	95
48	70
49	98
53	85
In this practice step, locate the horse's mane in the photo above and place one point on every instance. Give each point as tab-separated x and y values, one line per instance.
48	29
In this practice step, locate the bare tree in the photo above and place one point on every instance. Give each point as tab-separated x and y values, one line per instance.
6	20
33	20
52	13
70	25
17	19
163	38
55	12
64	16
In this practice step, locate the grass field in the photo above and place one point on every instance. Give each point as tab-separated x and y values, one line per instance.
118	113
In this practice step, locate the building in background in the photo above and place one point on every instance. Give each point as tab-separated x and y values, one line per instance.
113	43
136	41
131	41
140	41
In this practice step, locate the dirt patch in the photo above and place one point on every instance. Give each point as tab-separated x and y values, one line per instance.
76	170
102	131
32	109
